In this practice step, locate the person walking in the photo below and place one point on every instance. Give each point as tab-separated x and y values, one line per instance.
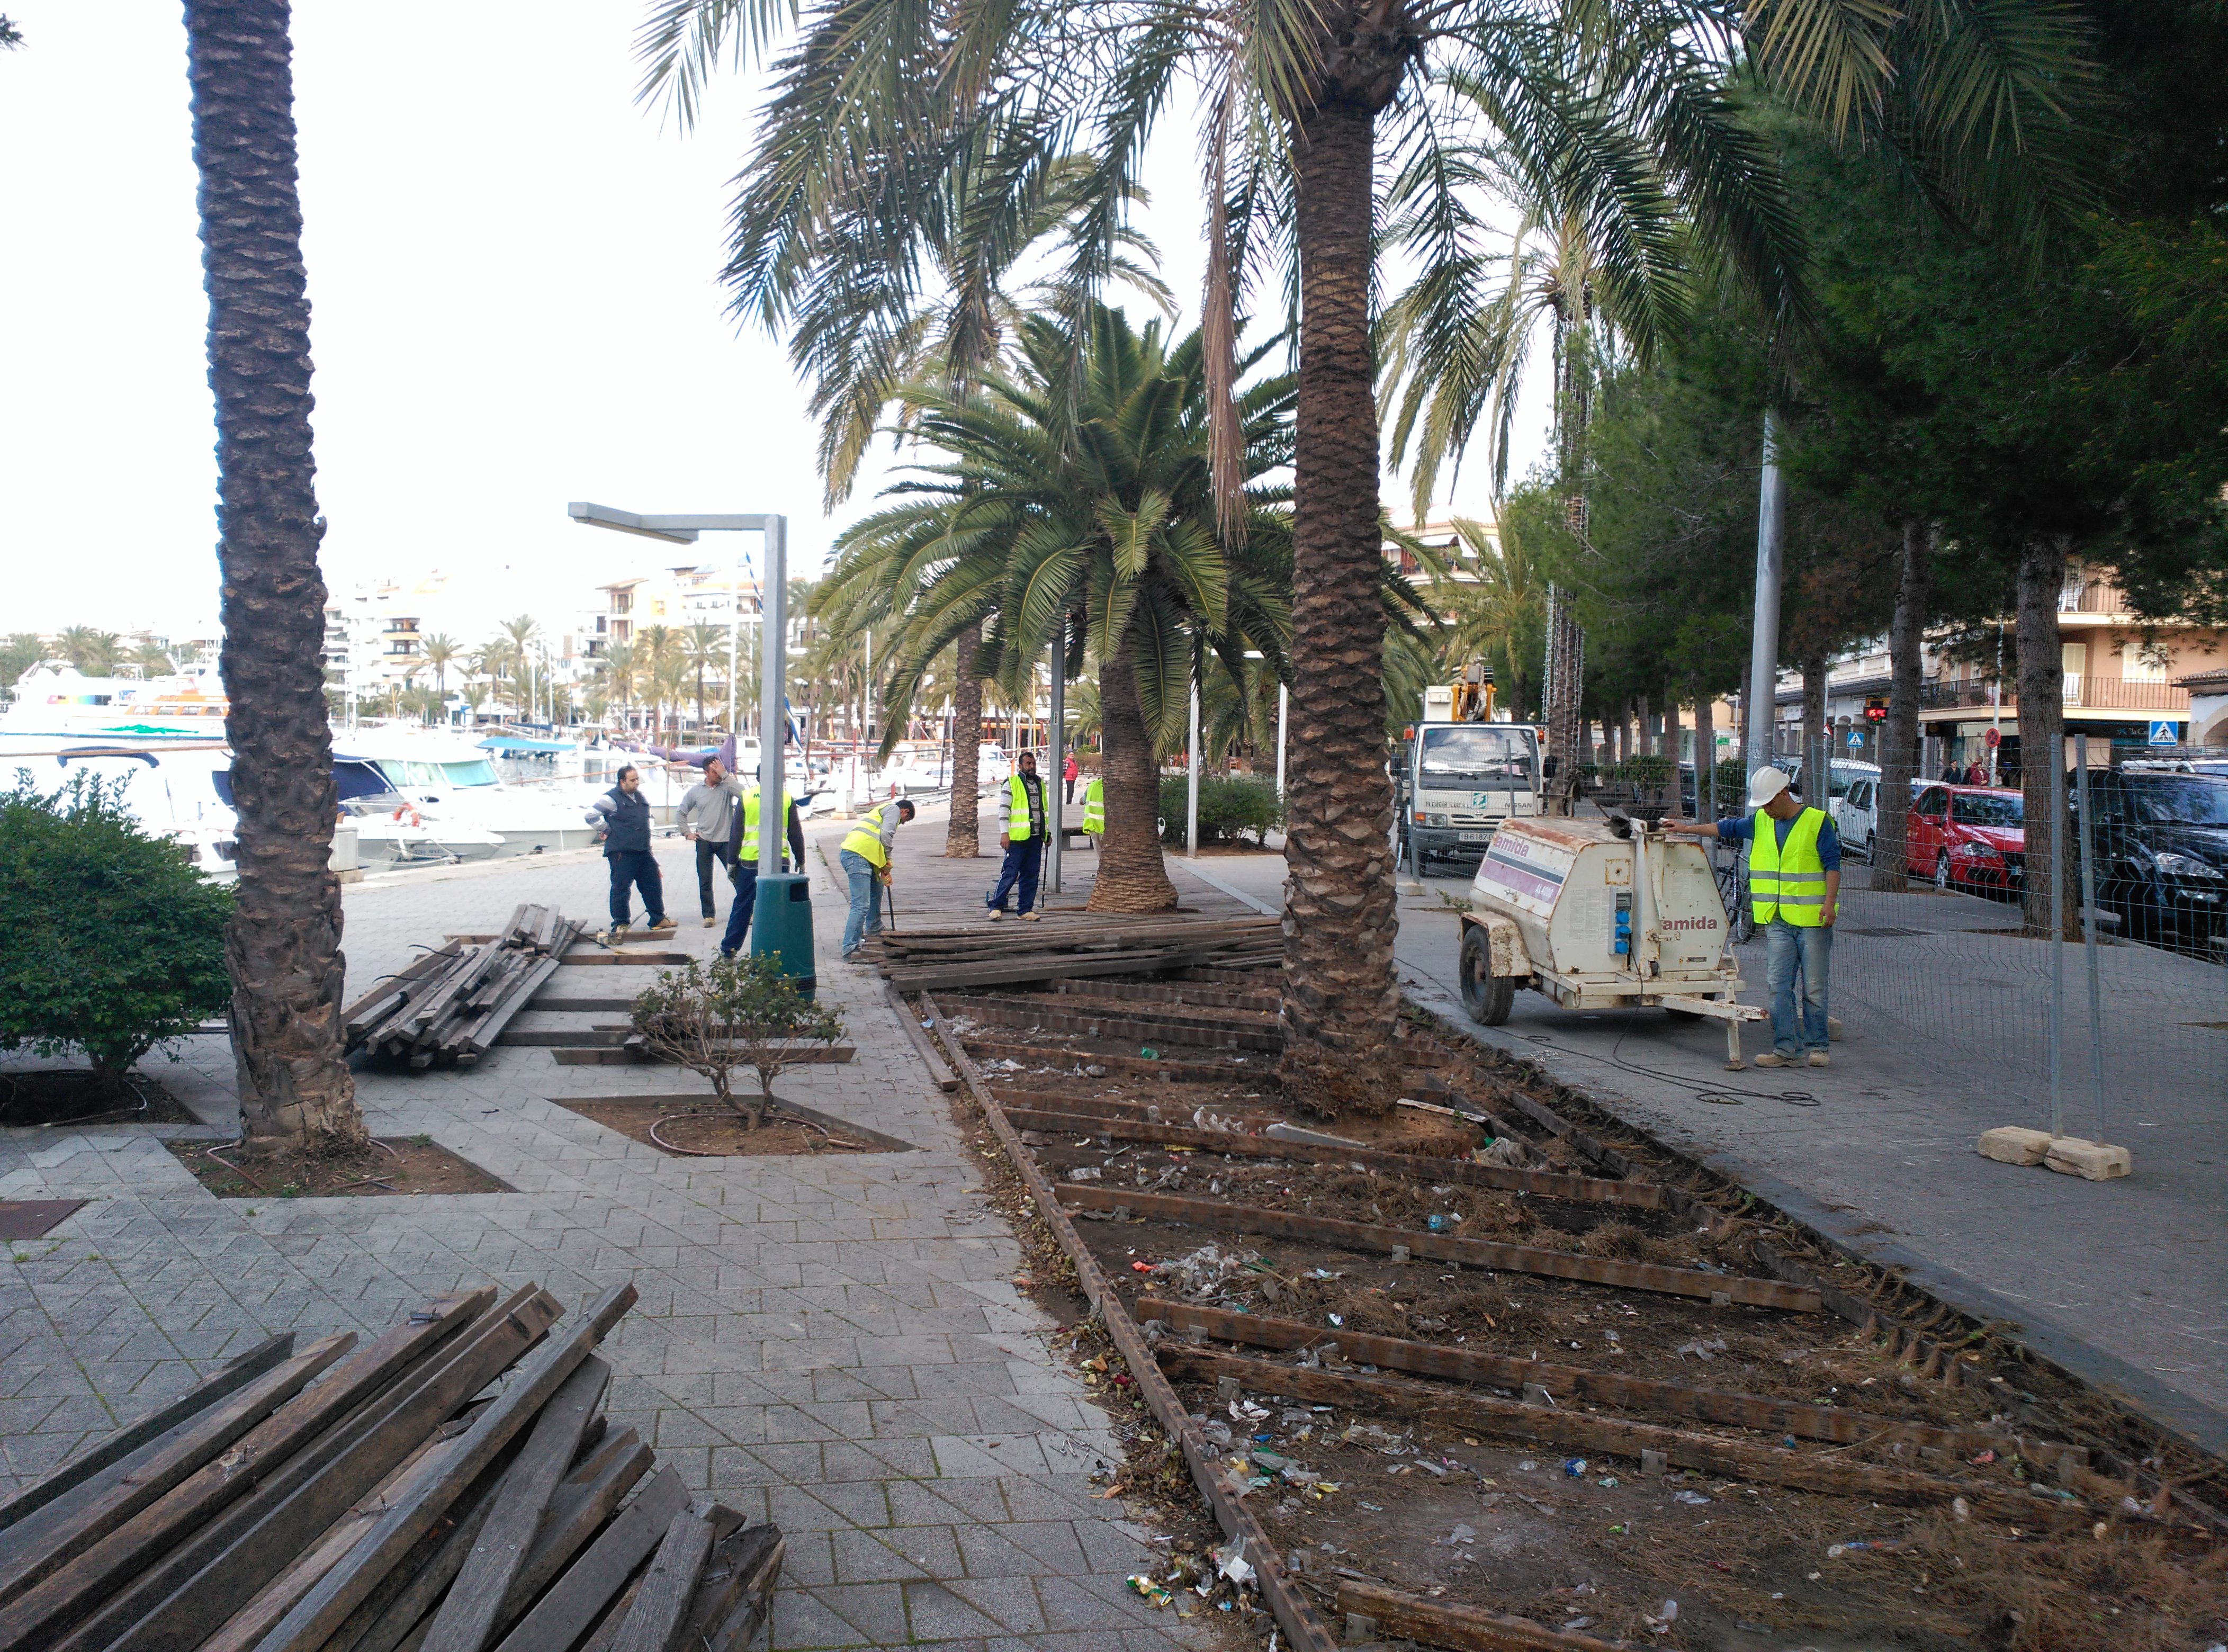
707	815
1794	888
864	858
623	815
743	863
1094	810
1069	769
1021	835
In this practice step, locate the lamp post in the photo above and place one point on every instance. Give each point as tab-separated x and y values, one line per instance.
770	920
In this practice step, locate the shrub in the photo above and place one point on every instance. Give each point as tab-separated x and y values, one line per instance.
110	942
738	1012
1230	807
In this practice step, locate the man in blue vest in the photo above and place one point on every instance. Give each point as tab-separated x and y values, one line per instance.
1021	835
623	815
1794	888
743	863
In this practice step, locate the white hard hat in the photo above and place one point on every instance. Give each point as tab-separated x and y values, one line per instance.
1764	785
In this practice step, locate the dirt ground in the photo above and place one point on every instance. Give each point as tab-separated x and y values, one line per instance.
400	1165
71	1095
712	1130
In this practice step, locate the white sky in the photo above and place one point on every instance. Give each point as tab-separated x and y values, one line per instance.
514	275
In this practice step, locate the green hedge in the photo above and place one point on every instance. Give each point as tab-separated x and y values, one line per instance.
110	941
1229	808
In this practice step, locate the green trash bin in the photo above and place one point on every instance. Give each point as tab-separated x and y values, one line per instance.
782	923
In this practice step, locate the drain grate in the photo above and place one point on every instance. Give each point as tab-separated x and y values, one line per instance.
29	1218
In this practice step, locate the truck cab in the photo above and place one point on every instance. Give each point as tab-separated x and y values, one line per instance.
1461	778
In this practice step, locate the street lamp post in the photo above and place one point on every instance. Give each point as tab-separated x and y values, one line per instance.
770	920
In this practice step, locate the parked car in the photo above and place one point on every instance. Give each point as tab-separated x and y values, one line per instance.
1966	837
2160	843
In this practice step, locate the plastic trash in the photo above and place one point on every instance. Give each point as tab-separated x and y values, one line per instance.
1575	1467
1149	1053
1141	1584
1528	1465
1461	1533
1231	1562
1085	1173
1691	1499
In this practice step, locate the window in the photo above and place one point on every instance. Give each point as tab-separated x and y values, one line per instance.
1471	753
1983	809
1933	801
2194	802
2143	665
622	602
479	773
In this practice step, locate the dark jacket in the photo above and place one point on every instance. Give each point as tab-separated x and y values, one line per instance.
625	817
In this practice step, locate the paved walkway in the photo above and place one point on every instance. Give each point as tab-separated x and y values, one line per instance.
831	1342
1941	1032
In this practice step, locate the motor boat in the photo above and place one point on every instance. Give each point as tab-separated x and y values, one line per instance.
181	792
54	701
389	828
453	785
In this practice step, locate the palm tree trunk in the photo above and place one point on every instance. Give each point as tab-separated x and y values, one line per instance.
1341	997
1898	748
2042	732
1132	876
282	945
963	838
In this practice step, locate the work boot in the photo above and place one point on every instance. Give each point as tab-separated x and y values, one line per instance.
1774	1058
992	916
1031	917
666	926
615	936
1818	1059
710	920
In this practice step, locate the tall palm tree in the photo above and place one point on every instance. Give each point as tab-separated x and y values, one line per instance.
1502	610
622	669
657	647
523	633
1088	520
706	648
281	943
880	108
88	648
153	660
440	651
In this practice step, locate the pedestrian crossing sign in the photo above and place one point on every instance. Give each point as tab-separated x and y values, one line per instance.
2165	732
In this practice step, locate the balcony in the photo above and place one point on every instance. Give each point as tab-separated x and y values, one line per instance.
2091	597
2080	693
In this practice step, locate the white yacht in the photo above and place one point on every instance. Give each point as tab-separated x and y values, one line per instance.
180	791
449	780
55	701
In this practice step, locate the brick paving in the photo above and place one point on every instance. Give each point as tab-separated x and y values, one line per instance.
833	1344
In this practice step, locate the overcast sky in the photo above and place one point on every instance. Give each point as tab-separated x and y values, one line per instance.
513	269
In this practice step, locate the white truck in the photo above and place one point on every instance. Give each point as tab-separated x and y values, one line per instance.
1599	914
1464	777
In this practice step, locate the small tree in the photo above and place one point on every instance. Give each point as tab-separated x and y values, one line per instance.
110	941
738	1012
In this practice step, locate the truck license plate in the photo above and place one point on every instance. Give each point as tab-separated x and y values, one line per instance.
1474	837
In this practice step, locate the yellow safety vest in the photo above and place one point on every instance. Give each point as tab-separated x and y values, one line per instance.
1788	881
1094	808
746	848
865	838
1017	817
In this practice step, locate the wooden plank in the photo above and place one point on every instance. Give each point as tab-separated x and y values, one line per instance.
21	1565
661	1605
328	1605
1643	1195
226	1380
506	1008
1442	1247
625	959
1465	1629
941	1074
1071	1061
584	1502
1085	1023
75	1588
1588	1432
467	1616
1295	1613
399	1609
1191	996
1835	1423
628	1055
736	1586
179	1600
589	1584
374	1007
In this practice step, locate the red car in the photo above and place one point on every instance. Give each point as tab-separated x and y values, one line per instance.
1968	838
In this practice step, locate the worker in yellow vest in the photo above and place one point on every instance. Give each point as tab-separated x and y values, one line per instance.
1795	891
1022	817
1094	810
864	858
743	863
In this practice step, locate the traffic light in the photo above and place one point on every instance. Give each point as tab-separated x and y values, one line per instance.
1875	708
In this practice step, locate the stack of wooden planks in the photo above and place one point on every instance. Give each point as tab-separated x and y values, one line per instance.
371	1500
454	1003
931	960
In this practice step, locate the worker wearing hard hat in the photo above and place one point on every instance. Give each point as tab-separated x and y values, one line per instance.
1794	888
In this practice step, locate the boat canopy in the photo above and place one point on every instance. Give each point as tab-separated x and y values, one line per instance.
518	743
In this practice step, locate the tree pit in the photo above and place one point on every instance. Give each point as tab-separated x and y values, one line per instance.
403	1166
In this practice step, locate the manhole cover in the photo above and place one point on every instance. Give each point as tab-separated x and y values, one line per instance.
1891	934
29	1218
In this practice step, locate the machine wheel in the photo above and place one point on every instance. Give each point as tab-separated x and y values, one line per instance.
1941	878
1489	997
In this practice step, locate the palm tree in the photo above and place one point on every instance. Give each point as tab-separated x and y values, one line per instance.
153	660
281	943
1090	522
522	633
657	646
881	111
1503	612
91	650
706	648
621	669
669	682
440	650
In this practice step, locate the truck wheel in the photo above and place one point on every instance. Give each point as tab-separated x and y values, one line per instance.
1489	997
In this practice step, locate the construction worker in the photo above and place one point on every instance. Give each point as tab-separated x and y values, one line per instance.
1094	810
1794	888
1021	815
622	815
864	858
743	863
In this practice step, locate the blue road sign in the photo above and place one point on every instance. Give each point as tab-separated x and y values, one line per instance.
1856	742
2165	732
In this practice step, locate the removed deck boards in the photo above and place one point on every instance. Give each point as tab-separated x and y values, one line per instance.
930	960
454	1003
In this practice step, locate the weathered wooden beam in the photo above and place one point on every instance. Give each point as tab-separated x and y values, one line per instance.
736	1588
23	1565
136	1438
467	1616
661	1605
937	1070
327	1606
1464	1629
587	1586
1192	995
1445	1247
1835	1423
1203	1032
1548	1184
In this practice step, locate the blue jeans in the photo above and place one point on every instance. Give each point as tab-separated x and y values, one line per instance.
1022	859
865	917
631	869
738	911
1785	945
